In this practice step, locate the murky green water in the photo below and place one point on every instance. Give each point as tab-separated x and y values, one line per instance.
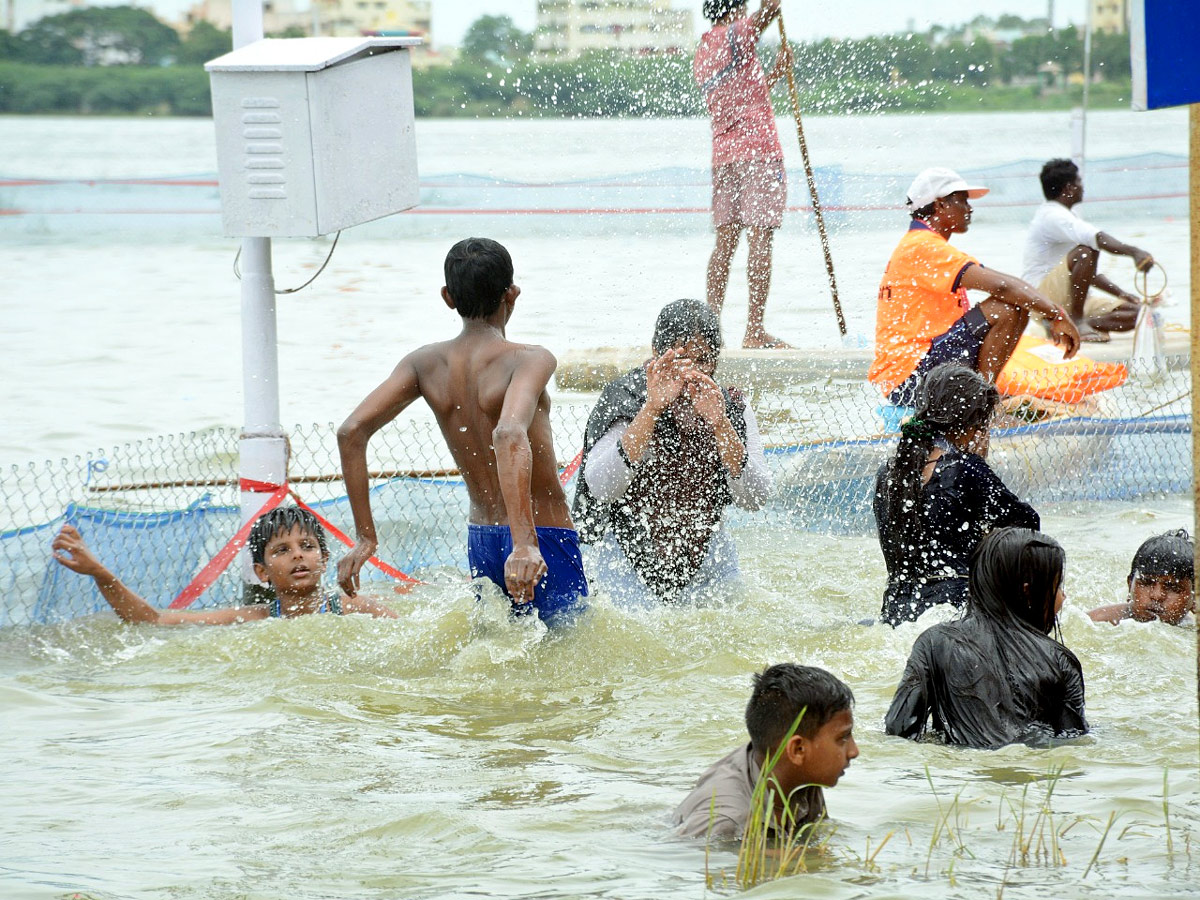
456	753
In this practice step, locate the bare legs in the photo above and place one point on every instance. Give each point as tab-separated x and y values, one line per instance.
1008	322
718	265
758	272
1082	264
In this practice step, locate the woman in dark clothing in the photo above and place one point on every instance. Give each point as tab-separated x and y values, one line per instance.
937	497
995	676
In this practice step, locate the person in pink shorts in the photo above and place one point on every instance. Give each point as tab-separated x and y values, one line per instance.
749	181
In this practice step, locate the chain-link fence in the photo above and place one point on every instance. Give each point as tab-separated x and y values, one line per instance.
156	511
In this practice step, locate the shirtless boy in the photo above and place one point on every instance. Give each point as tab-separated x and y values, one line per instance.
489	397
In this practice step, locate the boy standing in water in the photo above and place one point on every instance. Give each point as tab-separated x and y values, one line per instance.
287	547
490	400
749	183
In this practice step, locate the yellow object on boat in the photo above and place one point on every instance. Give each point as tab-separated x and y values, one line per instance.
1037	369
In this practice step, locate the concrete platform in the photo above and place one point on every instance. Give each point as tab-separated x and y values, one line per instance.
591	370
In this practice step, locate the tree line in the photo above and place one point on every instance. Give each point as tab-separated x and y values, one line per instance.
123	60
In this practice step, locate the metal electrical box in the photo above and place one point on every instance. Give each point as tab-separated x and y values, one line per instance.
314	134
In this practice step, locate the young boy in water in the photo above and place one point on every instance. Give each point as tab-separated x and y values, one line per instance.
287	547
1161	580
815	756
490	400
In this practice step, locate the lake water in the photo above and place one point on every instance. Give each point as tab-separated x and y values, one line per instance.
455	753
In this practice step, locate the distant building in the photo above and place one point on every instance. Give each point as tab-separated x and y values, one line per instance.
330	18
1111	16
567	28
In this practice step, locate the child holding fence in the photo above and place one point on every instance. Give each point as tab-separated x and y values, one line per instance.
287	547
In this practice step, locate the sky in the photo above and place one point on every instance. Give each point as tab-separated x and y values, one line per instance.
805	18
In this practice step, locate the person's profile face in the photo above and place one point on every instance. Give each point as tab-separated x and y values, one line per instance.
1164	597
828	752
955	211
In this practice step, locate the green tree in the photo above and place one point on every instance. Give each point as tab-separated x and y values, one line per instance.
45	47
107	35
203	42
496	40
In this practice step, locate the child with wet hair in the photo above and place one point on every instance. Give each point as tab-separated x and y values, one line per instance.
1161	581
814	755
937	497
287	547
996	676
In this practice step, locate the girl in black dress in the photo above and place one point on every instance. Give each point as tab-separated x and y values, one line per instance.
937	497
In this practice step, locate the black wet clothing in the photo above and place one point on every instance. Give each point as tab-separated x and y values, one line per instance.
988	681
962	501
670	512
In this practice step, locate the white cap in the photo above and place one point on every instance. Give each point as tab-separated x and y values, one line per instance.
935	183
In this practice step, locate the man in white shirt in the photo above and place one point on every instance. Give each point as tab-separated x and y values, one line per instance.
1062	252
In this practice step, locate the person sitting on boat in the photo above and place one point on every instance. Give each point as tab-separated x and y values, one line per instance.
937	497
287	547
665	452
995	676
749	183
1062	252
924	317
1161	580
801	717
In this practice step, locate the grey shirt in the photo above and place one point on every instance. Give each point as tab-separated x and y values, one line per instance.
721	798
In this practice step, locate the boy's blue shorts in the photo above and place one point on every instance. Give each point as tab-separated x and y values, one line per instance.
488	546
961	343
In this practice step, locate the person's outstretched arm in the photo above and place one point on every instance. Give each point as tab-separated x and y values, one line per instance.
1109	244
1015	292
70	551
783	61
1113	614
524	567
764	15
381	406
909	711
367	607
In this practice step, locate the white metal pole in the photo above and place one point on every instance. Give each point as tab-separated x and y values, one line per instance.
263	444
1087	83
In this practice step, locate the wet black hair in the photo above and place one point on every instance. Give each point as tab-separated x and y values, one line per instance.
950	398
681	320
1056	175
478	272
781	692
719	9
1171	554
1005	561
281	520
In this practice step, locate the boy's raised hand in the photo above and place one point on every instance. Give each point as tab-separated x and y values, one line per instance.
70	550
523	571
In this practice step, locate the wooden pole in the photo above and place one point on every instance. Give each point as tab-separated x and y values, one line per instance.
1194	192
794	95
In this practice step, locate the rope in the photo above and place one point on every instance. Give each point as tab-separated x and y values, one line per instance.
219	563
794	95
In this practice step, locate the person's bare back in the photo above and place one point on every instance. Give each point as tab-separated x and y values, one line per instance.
490	398
466	382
